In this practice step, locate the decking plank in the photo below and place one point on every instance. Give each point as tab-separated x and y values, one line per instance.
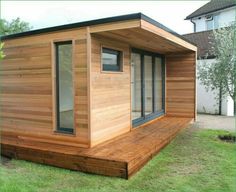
121	157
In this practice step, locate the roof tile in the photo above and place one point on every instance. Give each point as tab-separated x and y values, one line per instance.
212	6
202	40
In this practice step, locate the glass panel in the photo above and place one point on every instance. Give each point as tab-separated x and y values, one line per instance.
148	85
216	21
65	88
209	24
146	82
158	84
136	85
111	59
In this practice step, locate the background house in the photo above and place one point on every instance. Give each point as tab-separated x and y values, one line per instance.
213	15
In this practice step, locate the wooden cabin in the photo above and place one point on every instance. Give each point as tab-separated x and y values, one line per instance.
77	95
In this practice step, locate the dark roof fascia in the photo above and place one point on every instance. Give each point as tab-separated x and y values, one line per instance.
73	25
208	12
95	22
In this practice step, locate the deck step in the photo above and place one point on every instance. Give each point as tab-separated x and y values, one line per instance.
121	157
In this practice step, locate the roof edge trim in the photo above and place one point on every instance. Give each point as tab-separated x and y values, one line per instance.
94	22
157	24
73	25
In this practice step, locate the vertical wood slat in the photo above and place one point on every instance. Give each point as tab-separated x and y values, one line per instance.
89	98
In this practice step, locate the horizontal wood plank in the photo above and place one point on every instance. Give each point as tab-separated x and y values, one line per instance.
119	157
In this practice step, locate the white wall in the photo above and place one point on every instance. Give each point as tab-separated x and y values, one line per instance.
228	106
206	102
200	24
225	17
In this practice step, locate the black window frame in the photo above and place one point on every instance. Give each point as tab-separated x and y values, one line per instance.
57	71
112	68
156	113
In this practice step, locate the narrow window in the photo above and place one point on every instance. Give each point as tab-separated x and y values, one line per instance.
111	60
64	87
216	21
209	23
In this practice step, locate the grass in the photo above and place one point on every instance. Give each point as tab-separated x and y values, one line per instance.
196	161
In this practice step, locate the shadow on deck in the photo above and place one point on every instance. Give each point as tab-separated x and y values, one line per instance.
120	157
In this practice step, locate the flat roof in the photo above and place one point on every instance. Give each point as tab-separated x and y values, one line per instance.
94	22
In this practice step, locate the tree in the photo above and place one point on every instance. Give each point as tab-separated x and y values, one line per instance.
1	52
221	74
14	26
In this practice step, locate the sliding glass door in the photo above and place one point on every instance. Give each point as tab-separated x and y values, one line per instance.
158	84
147	84
136	86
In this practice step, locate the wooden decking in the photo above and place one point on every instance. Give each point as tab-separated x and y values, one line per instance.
120	157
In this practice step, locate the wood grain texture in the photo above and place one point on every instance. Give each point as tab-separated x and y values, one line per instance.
144	39
110	94
102	99
167	35
119	157
26	97
115	26
180	84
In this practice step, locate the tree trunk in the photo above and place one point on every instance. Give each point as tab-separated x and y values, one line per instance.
220	100
234	95
234	108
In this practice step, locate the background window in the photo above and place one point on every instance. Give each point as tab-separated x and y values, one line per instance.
209	23
111	60
212	22
216	22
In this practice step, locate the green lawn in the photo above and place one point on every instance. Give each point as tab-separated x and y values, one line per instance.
196	161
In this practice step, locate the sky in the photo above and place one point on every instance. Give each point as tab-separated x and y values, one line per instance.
41	14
